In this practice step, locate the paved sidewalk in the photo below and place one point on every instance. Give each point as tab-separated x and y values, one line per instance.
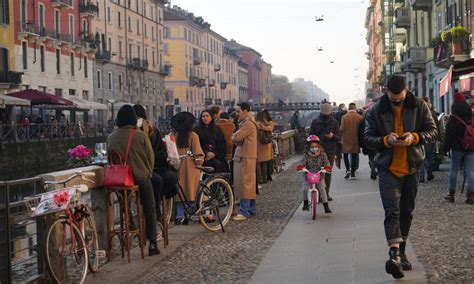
347	246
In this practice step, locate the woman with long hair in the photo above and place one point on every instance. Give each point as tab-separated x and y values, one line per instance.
264	150
188	176
212	142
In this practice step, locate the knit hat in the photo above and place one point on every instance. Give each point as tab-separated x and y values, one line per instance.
126	116
459	98
326	109
140	111
183	121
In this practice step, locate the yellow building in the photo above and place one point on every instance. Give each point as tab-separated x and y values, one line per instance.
202	73
9	79
265	81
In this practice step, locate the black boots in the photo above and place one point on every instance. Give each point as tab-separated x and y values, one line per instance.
404	263
450	196
305	205
392	266
326	208
470	198
153	248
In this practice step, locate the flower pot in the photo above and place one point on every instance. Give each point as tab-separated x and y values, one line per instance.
457	48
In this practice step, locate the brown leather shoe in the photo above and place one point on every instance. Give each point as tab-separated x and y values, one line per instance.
450	196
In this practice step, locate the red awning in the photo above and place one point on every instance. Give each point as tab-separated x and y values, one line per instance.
41	98
466	82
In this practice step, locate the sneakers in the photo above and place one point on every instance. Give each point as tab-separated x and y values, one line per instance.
392	265
404	263
347	175
353	176
239	217
305	205
450	196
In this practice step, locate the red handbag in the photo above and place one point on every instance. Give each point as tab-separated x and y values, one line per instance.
119	175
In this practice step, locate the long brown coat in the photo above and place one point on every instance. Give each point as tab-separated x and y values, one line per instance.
349	132
227	128
245	159
265	151
188	175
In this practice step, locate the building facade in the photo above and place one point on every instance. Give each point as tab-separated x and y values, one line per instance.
265	81
242	70
129	67
374	42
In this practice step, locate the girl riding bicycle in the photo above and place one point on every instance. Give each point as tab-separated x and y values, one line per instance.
314	159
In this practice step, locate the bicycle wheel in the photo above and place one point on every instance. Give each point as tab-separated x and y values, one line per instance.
91	239
66	256
216	202
314	202
169	211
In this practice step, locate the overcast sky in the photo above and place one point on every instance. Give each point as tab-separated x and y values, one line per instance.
286	34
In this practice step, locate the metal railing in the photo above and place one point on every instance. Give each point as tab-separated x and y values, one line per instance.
21	238
17	133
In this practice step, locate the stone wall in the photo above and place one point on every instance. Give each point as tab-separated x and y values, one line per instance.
22	160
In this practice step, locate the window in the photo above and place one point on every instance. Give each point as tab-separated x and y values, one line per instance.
153	57
166	32
138	6
120	48
58	92
152	32
185	34
108	15
130	52
144	30
98	8
165	48
138	27
85	95
138	51
41	17
86	74
23	11
110	44
110	80
129	5
57	21
58	61
146	54
24	48
119	17
72	92
71	25
144	9
72	64
120	82
99	79
3	64
42	58
129	24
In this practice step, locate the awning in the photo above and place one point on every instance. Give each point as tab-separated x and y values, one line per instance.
118	105
82	104
466	82
38	98
12	101
463	68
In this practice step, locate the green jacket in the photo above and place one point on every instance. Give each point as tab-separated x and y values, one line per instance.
140	156
295	122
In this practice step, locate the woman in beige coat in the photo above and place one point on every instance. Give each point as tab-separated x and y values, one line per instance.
188	176
245	162
264	151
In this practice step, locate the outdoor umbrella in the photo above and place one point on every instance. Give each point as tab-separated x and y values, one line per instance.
41	98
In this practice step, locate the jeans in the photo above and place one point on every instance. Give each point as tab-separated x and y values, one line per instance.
322	193
373	169
179	210
147	200
248	207
398	198
351	164
427	165
468	160
157	182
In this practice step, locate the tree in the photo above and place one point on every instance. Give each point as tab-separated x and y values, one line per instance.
280	88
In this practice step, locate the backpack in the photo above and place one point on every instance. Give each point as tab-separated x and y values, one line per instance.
264	137
468	137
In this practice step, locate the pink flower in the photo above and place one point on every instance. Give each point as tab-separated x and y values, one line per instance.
79	152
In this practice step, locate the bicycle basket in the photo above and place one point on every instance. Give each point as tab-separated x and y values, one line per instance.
52	201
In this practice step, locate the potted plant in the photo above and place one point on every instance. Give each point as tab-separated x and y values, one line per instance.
458	36
79	156
438	158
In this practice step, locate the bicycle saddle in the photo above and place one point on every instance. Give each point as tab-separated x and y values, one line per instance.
207	170
82	188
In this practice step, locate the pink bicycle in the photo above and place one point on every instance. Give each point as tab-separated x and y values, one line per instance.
313	180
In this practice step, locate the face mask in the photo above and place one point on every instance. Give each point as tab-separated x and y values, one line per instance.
314	150
343	109
140	122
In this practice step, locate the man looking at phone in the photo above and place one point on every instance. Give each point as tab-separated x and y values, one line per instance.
397	127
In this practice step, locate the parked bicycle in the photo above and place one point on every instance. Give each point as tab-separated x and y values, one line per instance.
313	180
277	157
72	244
214	199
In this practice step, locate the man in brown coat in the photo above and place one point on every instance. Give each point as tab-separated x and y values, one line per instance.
245	162
349	140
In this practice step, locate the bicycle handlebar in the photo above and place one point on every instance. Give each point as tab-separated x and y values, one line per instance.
190	154
83	175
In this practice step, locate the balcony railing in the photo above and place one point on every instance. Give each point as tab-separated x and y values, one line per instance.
193	81
217	67
444	57
223	85
402	17
88	10
62	3
144	64
421	4
212	82
218	101
12	78
208	101
201	83
165	70
196	60
102	56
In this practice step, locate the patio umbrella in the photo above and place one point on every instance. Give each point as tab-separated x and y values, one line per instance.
41	98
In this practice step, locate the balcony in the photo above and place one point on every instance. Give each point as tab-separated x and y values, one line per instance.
217	68
400	35
423	5
196	60
144	64
102	56
208	101
218	101
165	70
11	78
402	17
26	31
66	4
445	57
212	82
88	10
414	60
223	85
201	82
193	81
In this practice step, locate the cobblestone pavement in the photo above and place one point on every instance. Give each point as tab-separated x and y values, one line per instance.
234	255
443	233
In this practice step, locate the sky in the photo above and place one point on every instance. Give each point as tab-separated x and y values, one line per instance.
286	34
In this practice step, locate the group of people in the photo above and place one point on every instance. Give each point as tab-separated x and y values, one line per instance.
226	141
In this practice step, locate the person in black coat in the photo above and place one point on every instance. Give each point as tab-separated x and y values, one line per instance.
365	150
212	142
453	141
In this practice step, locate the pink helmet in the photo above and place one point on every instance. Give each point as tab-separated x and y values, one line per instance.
312	138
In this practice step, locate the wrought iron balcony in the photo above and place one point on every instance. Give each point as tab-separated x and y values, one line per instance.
102	56
223	85
88	10
423	5
165	70
193	81
12	78
402	17
212	82
208	101
202	82
217	67
218	101
61	3
196	60
144	64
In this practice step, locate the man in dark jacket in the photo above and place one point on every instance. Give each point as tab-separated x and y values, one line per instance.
397	127
429	148
327	129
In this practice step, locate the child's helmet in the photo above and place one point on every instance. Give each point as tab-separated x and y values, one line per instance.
312	138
